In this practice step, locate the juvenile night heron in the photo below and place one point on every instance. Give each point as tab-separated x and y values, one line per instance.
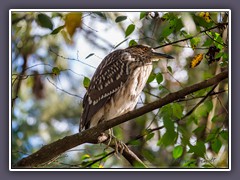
117	84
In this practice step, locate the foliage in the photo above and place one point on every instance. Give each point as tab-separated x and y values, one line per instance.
53	60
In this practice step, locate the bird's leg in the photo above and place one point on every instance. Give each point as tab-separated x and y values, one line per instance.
111	141
118	145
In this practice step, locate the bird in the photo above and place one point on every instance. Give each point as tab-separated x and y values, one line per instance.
117	84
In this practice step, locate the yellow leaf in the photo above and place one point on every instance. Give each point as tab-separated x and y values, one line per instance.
196	60
73	21
201	14
101	166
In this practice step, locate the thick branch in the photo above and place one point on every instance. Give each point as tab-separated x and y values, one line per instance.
56	148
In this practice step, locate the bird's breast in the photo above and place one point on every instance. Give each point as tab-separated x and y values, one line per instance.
127	97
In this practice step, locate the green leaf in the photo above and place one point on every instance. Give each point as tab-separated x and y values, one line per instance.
151	77
190	163
167	31
159	78
129	30
216	144
134	142
203	110
177	110
224	134
218	41
207	166
45	21
201	22
210	137
220	54
55	71
143	15
168	138
132	43
208	42
166	111
149	136
168	124
100	14
199	130
148	154
120	18
86	82
199	149
177	151
209	105
85	157
88	56
57	30
169	69
195	41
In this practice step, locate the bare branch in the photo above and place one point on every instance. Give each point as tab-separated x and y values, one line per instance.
50	151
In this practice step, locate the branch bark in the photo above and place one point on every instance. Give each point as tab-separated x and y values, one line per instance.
50	151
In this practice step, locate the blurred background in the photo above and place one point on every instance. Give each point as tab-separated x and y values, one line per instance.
54	55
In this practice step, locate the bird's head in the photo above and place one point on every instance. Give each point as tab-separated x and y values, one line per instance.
147	52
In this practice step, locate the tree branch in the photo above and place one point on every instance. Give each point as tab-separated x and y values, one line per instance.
50	151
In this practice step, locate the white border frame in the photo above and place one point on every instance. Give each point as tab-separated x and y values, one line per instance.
116	10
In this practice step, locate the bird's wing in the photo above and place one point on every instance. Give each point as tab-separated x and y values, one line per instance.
109	77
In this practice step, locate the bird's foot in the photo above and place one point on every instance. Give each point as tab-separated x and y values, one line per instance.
111	141
103	137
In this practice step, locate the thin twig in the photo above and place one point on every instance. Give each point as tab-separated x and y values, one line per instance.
185	39
64	90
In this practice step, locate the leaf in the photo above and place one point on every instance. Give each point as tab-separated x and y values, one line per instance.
196	60
167	31
209	105
207	166
134	142
216	144
203	110
219	55
169	69
57	30
132	43
199	149
85	157
166	111
66	36
177	151
55	71
73	20
149	136
86	82
168	138
151	77
129	30
199	130
224	134
195	41
143	15
120	18
177	110
190	163
88	56
148	154
210	137
159	78
208	42
45	21
100	14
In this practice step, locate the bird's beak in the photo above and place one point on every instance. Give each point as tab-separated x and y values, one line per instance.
161	55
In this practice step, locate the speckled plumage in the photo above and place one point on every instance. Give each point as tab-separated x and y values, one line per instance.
117	84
